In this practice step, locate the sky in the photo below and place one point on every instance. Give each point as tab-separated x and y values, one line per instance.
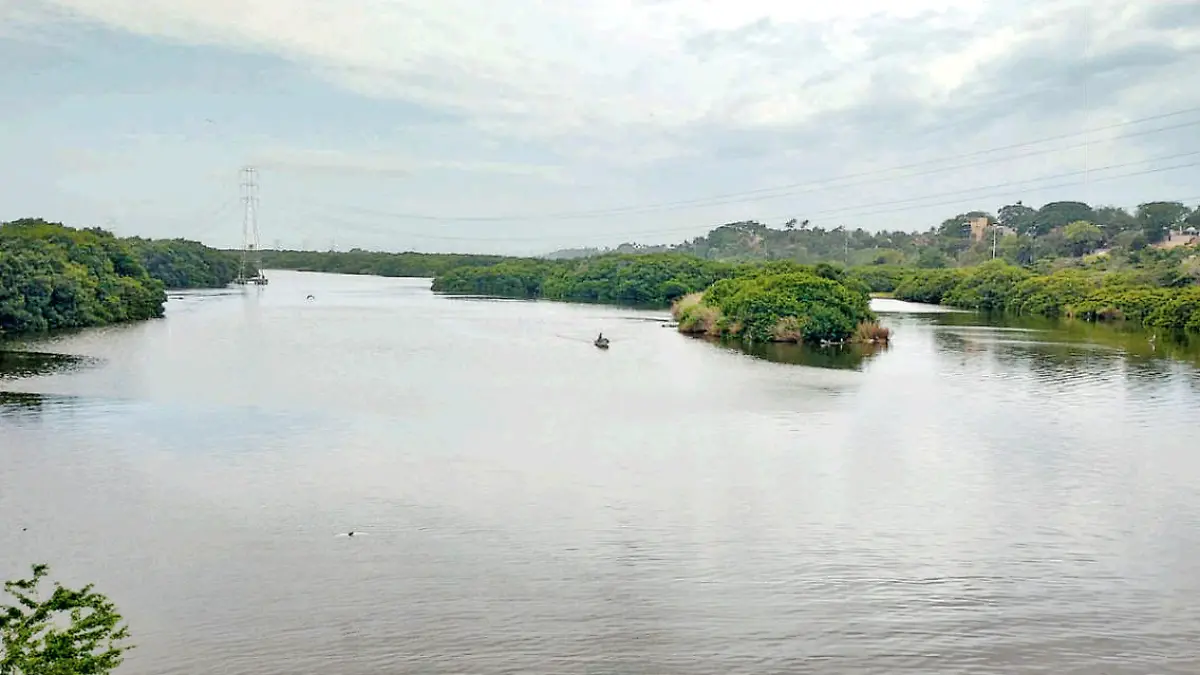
526	126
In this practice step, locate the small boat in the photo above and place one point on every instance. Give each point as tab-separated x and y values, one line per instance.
601	342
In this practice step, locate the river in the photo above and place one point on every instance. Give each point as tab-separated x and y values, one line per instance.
975	499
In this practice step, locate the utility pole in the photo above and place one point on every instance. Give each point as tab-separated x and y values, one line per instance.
251	253
995	235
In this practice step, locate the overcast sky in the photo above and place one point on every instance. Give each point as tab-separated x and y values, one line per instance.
523	126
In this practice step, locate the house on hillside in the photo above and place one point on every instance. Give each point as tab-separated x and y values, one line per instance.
982	226
1187	236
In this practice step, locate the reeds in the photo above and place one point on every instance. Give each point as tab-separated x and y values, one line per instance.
871	332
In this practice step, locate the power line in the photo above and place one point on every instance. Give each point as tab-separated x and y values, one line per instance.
1083	172
1036	188
788	189
857	209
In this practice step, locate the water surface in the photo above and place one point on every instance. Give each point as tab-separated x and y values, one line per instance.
974	499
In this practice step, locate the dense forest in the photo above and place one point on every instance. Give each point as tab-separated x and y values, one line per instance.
642	280
180	263
52	276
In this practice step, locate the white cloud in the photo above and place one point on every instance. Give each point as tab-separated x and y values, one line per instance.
587	67
719	96
341	161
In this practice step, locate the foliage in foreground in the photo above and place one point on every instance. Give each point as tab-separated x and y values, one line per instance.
72	632
790	306
53	276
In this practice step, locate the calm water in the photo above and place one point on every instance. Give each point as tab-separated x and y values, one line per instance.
973	500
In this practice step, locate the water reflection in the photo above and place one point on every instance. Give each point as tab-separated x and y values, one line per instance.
1129	339
837	357
12	402
22	364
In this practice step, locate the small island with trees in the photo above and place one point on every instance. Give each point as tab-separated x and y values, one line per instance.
774	305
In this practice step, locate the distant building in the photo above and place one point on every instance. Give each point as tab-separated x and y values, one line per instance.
1188	236
981	228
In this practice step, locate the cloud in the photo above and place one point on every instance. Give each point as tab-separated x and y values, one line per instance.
343	162
599	70
613	103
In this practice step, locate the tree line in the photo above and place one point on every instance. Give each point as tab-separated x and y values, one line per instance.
1093	295
654	280
378	263
1157	288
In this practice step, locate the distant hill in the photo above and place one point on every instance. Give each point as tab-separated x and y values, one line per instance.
1018	233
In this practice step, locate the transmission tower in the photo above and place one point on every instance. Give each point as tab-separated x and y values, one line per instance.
250	271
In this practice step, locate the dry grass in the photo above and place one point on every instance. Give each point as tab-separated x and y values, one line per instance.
685	303
788	329
701	320
871	332
695	318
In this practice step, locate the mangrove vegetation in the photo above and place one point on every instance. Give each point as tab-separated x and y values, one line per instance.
56	277
181	263
787	306
637	280
53	277
377	263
